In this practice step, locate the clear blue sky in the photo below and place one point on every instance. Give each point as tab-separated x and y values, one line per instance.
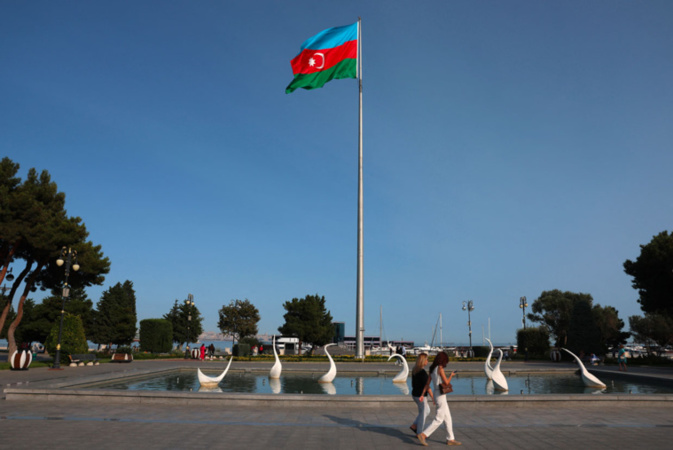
509	148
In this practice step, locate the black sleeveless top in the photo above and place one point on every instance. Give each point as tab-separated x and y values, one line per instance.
418	381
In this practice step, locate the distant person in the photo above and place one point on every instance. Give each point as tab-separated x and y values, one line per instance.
439	382
203	352
621	358
419	378
392	351
404	351
594	359
211	350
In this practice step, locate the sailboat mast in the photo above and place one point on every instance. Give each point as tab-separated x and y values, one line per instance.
441	338
381	327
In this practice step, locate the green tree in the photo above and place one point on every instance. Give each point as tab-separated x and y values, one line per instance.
553	310
610	325
11	218
308	320
238	319
187	322
584	336
38	319
652	329
73	340
652	274
156	335
115	316
34	228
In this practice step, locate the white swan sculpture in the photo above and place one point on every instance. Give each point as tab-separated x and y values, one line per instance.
329	388
488	369
274	373
207	381
499	380
403	387
274	384
402	376
331	373
588	379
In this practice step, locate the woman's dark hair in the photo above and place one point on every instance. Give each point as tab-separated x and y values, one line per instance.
442	359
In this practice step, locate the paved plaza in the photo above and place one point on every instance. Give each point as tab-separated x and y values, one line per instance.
80	423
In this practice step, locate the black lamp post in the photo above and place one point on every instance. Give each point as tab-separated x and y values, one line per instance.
469	306
190	304
522	304
67	256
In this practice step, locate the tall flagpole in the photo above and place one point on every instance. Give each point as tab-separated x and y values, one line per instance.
360	313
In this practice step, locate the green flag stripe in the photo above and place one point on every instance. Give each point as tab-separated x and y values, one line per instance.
345	69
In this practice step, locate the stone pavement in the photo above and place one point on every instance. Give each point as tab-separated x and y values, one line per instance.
83	424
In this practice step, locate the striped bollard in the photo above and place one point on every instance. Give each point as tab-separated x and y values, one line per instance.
21	360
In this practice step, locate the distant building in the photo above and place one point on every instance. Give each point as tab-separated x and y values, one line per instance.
339	332
369	342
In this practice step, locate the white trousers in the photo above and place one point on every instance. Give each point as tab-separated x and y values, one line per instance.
443	416
423	412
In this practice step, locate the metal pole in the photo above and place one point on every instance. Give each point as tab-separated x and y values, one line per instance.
469	306
64	294
360	310
469	325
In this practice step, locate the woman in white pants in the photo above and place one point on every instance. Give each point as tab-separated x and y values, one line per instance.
443	415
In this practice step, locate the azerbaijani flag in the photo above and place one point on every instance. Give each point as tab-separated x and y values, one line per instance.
330	54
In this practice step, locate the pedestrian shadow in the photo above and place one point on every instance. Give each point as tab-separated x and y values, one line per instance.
388	430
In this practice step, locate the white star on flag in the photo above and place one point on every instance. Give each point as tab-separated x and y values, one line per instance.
311	62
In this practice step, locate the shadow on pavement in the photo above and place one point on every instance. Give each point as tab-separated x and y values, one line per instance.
391	431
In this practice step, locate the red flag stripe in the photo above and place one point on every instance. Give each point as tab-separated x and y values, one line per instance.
323	59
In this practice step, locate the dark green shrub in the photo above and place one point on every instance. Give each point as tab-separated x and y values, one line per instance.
535	339
481	351
241	349
73	339
156	335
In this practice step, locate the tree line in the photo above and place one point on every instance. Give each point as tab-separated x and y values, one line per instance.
34	230
573	321
307	319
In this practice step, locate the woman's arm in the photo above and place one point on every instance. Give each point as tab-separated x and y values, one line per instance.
443	375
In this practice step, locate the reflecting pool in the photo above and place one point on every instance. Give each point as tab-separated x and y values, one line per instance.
358	384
